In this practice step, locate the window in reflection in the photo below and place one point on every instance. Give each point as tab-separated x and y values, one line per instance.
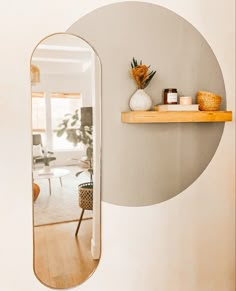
46	118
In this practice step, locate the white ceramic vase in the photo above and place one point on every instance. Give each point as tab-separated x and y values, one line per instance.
140	101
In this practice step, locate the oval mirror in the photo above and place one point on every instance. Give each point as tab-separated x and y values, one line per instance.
66	101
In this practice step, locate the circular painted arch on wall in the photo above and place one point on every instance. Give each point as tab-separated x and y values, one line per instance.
145	164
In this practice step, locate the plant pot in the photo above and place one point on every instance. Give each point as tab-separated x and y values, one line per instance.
86	196
140	101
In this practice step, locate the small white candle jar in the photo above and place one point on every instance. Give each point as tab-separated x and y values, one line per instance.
185	100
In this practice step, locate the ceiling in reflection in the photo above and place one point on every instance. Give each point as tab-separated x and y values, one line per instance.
52	56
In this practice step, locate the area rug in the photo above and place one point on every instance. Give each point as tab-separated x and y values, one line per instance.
62	204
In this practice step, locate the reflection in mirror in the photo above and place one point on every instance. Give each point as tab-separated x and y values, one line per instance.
65	83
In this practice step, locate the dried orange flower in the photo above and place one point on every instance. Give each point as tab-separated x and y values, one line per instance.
140	74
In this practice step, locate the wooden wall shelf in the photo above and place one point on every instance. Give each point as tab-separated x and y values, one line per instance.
175	116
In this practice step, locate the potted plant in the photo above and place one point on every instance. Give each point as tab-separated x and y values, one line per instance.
78	128
140	100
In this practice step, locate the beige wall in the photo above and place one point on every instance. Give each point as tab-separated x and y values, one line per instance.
146	164
184	244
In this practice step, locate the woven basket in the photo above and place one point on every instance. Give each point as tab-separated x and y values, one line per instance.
86	196
208	101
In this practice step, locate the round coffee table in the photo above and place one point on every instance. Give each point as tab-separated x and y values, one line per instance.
49	174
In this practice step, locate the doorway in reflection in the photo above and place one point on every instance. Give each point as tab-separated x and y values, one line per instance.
65	86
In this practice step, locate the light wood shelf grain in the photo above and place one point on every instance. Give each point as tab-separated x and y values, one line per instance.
175	116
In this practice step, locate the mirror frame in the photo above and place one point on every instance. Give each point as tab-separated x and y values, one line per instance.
96	242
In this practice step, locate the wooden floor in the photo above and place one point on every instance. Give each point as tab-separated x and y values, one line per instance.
60	259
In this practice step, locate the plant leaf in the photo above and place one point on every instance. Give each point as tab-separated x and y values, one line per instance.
73	123
135	62
60	132
149	79
78	173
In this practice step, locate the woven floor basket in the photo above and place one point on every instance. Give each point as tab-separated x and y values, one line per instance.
86	196
208	101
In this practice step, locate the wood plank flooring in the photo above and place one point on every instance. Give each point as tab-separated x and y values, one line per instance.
60	259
